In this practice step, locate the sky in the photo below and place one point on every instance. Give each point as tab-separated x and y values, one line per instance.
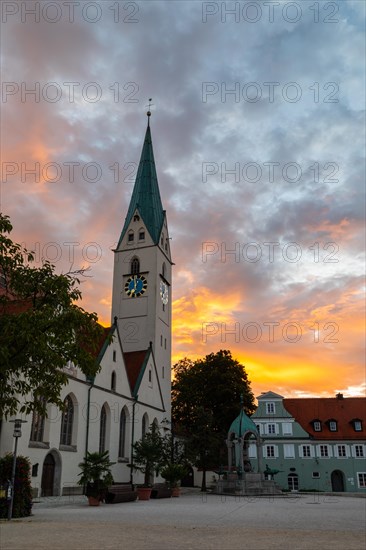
258	134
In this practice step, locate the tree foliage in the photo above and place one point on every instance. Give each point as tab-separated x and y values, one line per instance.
41	329
206	398
216	384
22	505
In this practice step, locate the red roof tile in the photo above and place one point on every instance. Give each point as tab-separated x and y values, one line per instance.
134	361
343	410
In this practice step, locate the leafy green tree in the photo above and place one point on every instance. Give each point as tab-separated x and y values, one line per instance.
206	398
41	329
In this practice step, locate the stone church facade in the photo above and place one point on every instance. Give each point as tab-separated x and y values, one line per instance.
132	388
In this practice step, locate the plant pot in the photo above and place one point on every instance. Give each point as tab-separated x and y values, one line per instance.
93	501
144	493
175	491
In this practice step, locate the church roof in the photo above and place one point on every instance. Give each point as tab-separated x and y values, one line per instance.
243	424
146	196
135	362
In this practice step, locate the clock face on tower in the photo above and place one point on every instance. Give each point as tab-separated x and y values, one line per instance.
135	286
164	292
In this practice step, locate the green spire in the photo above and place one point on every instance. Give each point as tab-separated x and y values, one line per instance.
146	195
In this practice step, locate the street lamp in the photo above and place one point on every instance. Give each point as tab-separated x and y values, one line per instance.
16	434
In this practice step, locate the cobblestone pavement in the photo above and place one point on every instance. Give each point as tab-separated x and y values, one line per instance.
193	521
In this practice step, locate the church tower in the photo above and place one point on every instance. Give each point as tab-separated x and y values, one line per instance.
142	279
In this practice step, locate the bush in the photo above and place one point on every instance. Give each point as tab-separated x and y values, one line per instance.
22	505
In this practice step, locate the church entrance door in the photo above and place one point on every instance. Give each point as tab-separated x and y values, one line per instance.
48	476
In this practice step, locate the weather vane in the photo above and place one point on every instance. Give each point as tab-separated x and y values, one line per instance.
149	105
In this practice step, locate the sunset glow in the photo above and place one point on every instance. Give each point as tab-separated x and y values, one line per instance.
264	199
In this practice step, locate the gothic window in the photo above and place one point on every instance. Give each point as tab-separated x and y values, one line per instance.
113	381
67	422
122	434
37	427
135	266
130	237
145	425
136	218
103	429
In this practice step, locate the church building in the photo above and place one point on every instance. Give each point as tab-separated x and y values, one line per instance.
132	389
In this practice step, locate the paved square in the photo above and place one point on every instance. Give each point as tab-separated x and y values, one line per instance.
193	521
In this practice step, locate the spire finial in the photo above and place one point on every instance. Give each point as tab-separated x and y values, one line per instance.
149	111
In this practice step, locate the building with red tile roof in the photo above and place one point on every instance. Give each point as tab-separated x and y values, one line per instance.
315	443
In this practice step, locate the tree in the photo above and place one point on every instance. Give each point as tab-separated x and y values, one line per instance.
206	398
22	505
41	329
148	454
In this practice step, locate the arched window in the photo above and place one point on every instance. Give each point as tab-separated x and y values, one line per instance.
122	434
37	427
135	266
67	422
103	429
113	381
145	424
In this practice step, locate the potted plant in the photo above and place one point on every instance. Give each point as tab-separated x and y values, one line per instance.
173	473
147	458
96	476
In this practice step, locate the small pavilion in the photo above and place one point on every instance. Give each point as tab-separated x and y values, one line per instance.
241	433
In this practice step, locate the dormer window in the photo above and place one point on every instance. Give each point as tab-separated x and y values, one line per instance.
357	425
332	425
317	425
130	237
141	235
270	408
